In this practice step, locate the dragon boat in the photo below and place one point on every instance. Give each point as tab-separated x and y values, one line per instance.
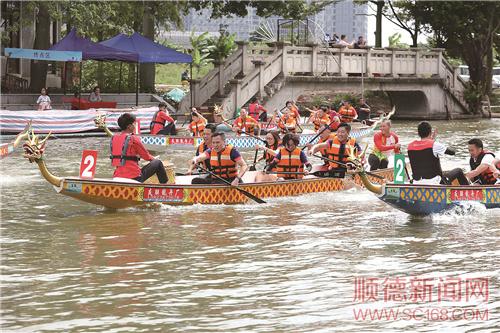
424	200
8	148
123	193
159	143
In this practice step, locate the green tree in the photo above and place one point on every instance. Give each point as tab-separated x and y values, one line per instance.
466	30
222	46
200	51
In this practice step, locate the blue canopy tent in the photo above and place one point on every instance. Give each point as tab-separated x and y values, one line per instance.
91	50
148	51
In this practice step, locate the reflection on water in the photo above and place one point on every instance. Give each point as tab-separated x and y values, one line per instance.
289	265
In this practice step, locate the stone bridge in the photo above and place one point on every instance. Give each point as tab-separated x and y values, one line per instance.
419	82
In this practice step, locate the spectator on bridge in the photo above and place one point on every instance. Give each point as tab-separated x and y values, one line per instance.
343	41
43	101
361	43
95	95
327	39
335	39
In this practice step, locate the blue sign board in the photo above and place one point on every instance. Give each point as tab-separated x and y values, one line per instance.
43	54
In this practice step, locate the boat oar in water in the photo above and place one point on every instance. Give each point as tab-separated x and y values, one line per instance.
345	165
248	194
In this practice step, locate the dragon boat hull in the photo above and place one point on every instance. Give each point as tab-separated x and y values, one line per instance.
423	200
115	194
161	142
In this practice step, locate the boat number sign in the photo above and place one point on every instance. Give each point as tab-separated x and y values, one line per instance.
87	166
399	169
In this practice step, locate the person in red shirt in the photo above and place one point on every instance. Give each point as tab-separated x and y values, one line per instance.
386	145
127	149
257	111
162	123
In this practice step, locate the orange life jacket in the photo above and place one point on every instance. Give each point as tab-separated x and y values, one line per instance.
118	147
246	125
200	150
197	127
290	162
339	152
320	121
486	177
287	125
221	163
347	114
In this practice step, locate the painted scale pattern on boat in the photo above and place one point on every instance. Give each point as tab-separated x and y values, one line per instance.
105	194
238	142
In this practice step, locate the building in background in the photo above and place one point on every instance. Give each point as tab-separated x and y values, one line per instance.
343	17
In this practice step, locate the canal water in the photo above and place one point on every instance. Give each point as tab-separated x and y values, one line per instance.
315	263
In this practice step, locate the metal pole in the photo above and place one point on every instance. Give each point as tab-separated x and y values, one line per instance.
120	79
137	84
191	85
80	89
362	77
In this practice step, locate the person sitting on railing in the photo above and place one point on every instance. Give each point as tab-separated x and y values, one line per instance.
197	126
343	41
361	43
95	95
43	101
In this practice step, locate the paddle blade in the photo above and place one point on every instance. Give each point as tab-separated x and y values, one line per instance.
251	196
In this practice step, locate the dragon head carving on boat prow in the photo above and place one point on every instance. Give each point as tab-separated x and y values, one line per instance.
383	117
100	121
218	110
359	168
34	147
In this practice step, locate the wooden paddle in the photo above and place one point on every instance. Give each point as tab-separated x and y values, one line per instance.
248	194
317	135
252	167
345	165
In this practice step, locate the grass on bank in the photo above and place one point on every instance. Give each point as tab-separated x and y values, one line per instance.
170	74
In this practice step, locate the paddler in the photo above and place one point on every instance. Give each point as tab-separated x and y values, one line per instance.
363	110
347	113
424	157
338	148
205	144
319	118
294	110
257	111
386	144
126	150
197	124
287	122
325	134
246	124
482	163
225	162
162	123
273	142
290	161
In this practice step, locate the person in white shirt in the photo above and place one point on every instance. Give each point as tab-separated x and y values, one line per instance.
43	101
95	96
343	41
424	157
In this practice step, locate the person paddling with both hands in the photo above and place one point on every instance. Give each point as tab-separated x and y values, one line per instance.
226	163
126	150
273	142
162	123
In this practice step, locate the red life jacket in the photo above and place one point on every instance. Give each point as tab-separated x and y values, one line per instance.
486	177
157	120
424	164
253	110
119	150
